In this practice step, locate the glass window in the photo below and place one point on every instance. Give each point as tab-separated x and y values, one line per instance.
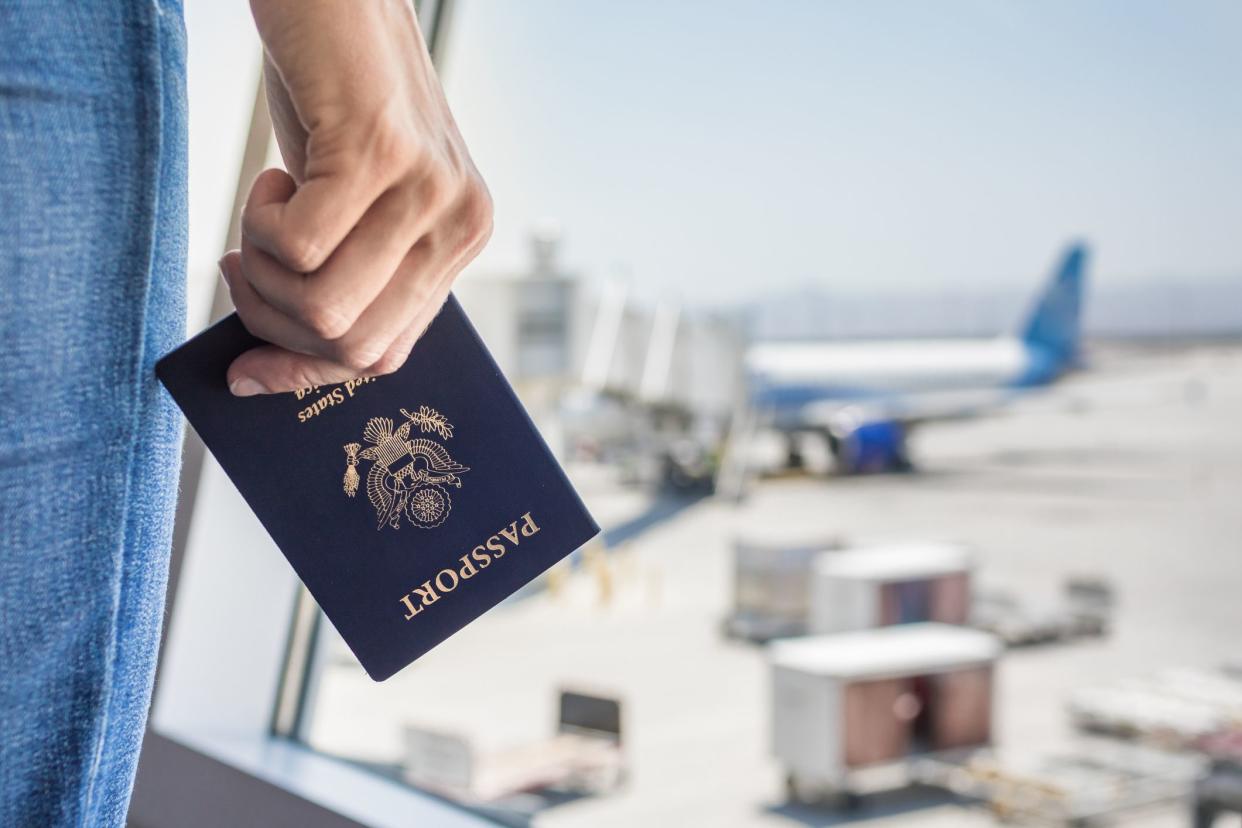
895	348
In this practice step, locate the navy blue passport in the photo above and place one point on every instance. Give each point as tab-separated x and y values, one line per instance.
409	504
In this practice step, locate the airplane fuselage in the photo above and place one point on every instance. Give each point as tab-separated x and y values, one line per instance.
793	373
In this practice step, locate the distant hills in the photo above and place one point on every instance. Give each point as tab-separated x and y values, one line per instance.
1169	309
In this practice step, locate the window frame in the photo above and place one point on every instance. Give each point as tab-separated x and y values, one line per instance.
212	756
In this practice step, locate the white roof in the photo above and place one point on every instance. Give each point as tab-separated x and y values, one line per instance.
792	533
905	649
903	562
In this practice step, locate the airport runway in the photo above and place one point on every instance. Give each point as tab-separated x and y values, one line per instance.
1132	471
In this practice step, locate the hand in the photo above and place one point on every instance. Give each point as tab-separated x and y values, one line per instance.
347	258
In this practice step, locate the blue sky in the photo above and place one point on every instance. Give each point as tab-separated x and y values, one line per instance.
717	150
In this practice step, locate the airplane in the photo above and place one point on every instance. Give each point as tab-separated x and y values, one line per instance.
865	397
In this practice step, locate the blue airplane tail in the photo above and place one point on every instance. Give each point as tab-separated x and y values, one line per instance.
1054	323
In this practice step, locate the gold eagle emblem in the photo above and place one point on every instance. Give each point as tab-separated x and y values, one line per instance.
409	477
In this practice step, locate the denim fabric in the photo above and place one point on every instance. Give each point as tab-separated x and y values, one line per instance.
92	250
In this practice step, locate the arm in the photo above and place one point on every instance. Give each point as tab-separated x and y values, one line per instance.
347	258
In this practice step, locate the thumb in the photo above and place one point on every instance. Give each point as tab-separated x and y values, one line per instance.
269	369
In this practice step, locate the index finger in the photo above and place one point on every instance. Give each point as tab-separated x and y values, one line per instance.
302	229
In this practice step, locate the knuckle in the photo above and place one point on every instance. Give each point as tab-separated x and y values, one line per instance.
359	356
436	189
389	362
291	377
392	144
299	252
477	211
303	377
325	320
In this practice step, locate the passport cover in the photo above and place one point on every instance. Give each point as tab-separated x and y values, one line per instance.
409	504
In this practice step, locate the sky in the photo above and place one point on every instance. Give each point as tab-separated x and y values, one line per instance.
719	151
723	152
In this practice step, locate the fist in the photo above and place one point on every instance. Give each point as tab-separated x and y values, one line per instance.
347	257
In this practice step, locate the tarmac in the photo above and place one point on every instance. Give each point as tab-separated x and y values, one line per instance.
1131	470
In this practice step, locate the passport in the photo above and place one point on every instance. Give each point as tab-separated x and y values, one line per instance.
408	504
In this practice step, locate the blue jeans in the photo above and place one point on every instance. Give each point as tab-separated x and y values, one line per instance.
92	283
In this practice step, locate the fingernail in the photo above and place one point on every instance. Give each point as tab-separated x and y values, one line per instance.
246	387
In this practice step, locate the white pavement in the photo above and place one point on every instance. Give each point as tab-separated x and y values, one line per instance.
1133	471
